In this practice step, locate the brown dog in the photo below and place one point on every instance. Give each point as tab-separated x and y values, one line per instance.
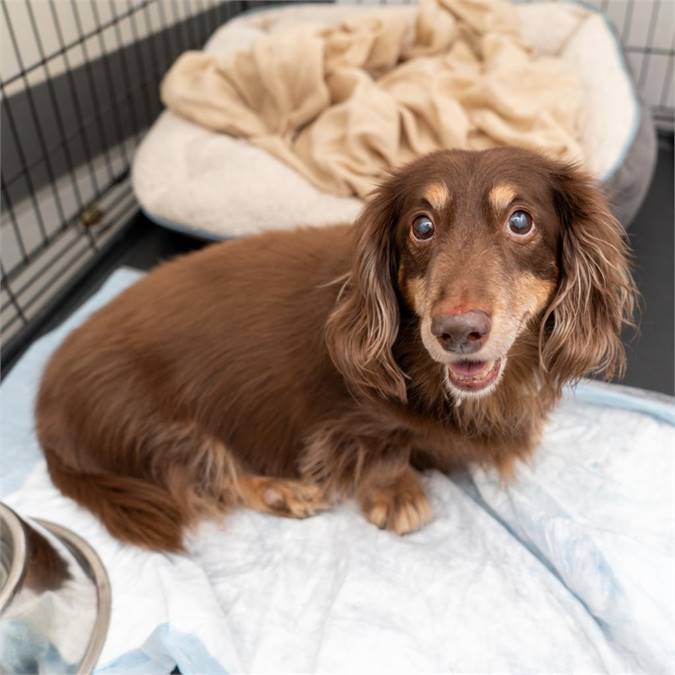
282	371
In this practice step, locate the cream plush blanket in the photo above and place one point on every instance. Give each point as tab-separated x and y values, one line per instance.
343	104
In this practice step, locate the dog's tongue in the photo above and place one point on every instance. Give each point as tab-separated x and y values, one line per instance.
468	368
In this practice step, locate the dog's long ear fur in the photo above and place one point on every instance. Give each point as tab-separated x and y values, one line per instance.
596	296
361	331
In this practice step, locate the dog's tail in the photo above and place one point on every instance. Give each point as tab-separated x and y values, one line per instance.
132	509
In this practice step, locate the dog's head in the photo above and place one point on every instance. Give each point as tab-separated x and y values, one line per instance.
488	251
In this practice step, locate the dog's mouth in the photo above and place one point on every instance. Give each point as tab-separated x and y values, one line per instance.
473	376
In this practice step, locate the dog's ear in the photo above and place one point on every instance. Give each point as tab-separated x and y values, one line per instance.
596	295
363	327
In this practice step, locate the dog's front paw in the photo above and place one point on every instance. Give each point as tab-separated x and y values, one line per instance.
400	506
290	498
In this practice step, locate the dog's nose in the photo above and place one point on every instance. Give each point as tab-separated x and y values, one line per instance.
463	333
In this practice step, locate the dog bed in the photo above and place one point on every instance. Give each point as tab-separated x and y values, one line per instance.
568	569
213	185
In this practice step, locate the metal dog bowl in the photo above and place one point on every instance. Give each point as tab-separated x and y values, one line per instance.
54	598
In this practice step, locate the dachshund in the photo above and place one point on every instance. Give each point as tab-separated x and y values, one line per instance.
288	370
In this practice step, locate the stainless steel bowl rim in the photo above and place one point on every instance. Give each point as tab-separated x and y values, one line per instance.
16	568
99	630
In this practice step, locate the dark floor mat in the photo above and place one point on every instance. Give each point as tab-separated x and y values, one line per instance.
651	364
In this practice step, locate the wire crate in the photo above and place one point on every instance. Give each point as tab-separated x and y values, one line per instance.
79	86
647	32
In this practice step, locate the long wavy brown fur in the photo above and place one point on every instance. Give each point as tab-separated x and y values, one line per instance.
581	330
361	332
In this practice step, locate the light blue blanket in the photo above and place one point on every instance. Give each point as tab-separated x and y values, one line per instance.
569	569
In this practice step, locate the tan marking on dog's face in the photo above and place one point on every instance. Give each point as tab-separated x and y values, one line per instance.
416	294
512	312
528	297
501	195
401	278
413	290
438	195
534	293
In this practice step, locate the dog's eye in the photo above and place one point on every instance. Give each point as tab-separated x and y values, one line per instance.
422	228
520	222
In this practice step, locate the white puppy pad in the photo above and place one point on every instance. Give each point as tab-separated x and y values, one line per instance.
567	570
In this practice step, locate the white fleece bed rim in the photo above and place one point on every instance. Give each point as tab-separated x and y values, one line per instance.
189	610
